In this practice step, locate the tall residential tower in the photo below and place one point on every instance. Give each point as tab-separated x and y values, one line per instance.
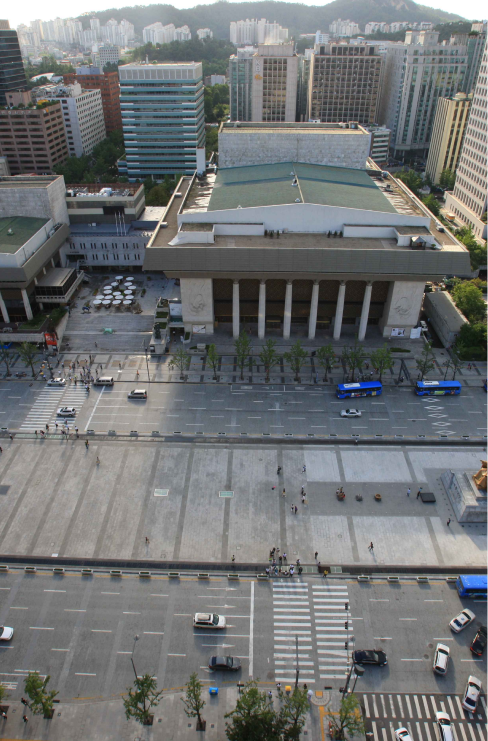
12	75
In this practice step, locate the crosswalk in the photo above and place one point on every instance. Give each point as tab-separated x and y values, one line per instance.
310	621
384	713
45	407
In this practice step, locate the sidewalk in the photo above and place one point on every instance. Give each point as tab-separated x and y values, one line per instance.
105	720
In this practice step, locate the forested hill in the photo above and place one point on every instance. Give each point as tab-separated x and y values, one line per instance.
298	18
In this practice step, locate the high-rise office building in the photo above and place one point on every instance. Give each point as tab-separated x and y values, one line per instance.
344	83
12	75
275	81
468	200
450	121
474	41
418	73
106	54
32	139
162	118
83	116
240	84
93	78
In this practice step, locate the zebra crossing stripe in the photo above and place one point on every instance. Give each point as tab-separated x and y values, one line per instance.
375	733
385	736
383	705
453	712
407	700
483	703
427	731
375	707
417	705
419	732
366	706
393	715
461	711
426	706
463	732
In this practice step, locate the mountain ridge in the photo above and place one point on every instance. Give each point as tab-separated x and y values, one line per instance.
297	17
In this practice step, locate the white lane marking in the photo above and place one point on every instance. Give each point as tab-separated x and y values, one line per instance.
87	426
99	630
35	627
153	633
393	715
452	708
427	731
417	705
60	649
54	590
407	700
85	674
366	706
426	706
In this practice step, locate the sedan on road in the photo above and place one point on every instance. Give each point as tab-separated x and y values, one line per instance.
6	633
402	734
373	656
444	726
67	412
479	642
350	413
461	621
471	694
57	382
208	620
224	663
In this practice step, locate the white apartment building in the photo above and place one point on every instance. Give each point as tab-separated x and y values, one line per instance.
182	34
321	38
257	31
344	28
204	33
105	54
374	27
450	121
416	74
83	117
156	33
468	200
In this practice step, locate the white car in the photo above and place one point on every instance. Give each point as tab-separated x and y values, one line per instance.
67	412
441	659
7	633
208	620
57	382
444	726
423	326
461	621
350	413
471	694
402	734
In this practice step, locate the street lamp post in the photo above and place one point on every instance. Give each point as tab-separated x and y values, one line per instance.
297	674
147	364
136	638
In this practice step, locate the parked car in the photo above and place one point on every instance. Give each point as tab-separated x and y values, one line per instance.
209	620
471	694
137	394
67	412
371	656
350	413
57	382
479	642
461	621
441	659
6	633
444	727
224	663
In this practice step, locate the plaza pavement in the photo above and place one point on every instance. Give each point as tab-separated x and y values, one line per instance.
56	500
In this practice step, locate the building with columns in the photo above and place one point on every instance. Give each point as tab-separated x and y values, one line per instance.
284	245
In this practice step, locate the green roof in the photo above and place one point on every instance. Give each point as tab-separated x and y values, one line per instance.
23	228
271	185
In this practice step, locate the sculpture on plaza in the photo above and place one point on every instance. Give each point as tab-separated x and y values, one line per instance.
480	477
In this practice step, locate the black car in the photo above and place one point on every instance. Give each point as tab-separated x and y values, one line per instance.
370	657
224	663
479	641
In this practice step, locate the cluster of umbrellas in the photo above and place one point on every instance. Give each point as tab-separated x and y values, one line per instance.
113	296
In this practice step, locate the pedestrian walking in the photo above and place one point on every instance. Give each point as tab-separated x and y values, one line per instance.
280	559
87	444
310	695
96	345
448	522
316	555
303	498
300	570
371	547
278	687
147	540
284	557
283	493
409	491
296	509
419	492
47	428
1	449
4	715
298	562
267	571
11	436
279	470
304	469
270	696
303	489
98	461
24	702
25	718
233	559
292	508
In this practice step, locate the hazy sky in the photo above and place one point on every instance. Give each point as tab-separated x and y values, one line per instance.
29	10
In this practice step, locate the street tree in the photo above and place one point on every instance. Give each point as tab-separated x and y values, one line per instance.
41	698
180	361
348	720
447	179
453	362
243	349
425	364
213	358
193	701
3	693
469	299
382	360
292	713
143	696
432	204
28	352
353	357
324	356
253	718
5	357
269	357
296	358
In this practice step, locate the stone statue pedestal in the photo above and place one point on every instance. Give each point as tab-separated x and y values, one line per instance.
469	502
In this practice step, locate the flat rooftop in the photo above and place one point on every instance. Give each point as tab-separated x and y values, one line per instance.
28	181
283	183
22	227
253	127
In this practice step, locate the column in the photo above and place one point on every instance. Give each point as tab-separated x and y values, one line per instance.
27	306
235	310
3	309
339	310
314	305
287	315
262	310
363	323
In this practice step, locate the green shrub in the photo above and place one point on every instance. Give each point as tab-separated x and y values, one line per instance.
143	292
471	353
187	335
399	349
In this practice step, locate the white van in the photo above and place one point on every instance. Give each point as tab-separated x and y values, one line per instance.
104	381
441	659
137	394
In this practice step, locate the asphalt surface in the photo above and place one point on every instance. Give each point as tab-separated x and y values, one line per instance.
241	408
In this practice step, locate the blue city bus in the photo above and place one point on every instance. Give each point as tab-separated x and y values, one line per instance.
485	384
472	586
366	388
437	388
